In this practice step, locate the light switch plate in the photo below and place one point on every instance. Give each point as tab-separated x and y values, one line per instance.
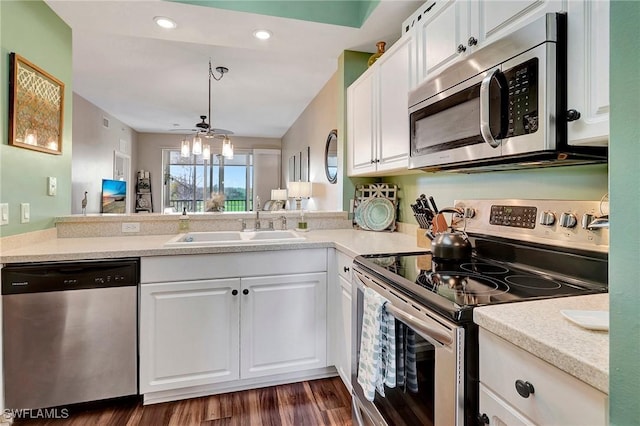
131	227
25	213
52	186
4	214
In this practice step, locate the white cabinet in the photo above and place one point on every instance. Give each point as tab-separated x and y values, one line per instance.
556	397
446	31
588	71
188	333
283	324
212	319
340	312
377	115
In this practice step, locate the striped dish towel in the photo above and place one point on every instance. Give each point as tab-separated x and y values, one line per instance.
376	365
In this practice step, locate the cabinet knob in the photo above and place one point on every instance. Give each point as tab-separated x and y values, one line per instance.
377	160
524	389
345	268
573	115
483	419
472	41
245	291
234	292
461	48
373	161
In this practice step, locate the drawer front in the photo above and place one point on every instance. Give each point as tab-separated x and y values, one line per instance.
498	411
558	397
345	264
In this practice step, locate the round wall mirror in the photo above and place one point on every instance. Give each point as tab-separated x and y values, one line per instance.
331	156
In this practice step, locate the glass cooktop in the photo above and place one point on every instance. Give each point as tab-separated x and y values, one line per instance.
455	287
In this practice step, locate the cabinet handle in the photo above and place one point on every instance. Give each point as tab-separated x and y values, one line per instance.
234	292
472	41
524	388
461	48
483	419
245	291
346	269
573	115
377	160
373	161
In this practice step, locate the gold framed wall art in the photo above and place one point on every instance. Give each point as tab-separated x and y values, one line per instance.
36	107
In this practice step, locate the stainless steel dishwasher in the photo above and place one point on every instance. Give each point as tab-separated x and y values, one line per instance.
69	332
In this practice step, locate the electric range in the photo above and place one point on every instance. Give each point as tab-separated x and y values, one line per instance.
522	250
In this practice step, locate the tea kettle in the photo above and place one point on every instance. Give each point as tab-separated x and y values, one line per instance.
450	244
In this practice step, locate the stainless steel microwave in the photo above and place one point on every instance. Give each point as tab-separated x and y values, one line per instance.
502	107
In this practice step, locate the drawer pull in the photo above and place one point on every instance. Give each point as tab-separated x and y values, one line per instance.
345	268
483	419
524	388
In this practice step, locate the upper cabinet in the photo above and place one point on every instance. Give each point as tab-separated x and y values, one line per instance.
588	71
377	118
445	31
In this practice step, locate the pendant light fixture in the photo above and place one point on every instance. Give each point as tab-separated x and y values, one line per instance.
196	147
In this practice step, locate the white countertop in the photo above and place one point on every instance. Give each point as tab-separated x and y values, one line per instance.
350	241
539	328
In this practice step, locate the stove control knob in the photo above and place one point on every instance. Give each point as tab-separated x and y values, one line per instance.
586	220
568	220
547	218
469	212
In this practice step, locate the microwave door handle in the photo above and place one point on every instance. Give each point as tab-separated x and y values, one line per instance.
419	326
485	107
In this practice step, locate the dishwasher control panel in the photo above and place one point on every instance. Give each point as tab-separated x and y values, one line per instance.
63	276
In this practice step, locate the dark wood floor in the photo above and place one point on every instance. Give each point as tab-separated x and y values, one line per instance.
318	402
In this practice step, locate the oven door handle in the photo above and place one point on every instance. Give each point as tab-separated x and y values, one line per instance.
419	326
485	109
424	329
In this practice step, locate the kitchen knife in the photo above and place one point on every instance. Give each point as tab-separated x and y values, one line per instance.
433	203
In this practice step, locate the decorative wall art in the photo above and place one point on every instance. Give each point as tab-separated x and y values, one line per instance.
36	107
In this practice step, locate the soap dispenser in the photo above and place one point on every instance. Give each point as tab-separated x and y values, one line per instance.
183	222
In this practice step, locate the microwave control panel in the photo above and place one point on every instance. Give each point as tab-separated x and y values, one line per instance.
523	98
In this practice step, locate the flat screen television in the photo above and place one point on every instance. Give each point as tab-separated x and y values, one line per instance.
114	196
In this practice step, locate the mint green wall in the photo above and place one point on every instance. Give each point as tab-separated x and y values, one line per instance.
348	13
624	255
31	29
574	183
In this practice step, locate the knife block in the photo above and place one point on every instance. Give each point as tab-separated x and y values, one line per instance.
421	239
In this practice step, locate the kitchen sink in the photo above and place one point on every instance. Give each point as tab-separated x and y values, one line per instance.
214	238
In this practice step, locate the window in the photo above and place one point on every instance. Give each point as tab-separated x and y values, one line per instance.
190	181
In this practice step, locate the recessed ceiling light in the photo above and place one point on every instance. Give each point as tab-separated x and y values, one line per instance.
165	22
262	34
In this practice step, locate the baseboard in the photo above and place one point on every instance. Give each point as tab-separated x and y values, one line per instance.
237	385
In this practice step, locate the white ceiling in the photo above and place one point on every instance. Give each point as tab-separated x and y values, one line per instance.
155	80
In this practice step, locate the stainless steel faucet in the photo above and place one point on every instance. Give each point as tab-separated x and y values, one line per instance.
257	209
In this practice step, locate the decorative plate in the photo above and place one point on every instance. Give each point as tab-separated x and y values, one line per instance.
378	214
358	214
591	320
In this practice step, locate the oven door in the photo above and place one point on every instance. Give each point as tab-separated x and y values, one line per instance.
509	109
430	365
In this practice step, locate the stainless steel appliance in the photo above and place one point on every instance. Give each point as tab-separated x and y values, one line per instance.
69	332
502	107
522	250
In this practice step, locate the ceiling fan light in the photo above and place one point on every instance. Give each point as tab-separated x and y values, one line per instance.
227	148
206	151
197	145
184	148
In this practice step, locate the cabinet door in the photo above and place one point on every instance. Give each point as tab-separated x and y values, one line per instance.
343	332
360	132
498	411
495	19
588	68
283	324
188	334
393	141
440	34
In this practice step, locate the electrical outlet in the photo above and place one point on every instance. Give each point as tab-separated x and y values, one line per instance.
4	214
130	227
52	186
25	213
